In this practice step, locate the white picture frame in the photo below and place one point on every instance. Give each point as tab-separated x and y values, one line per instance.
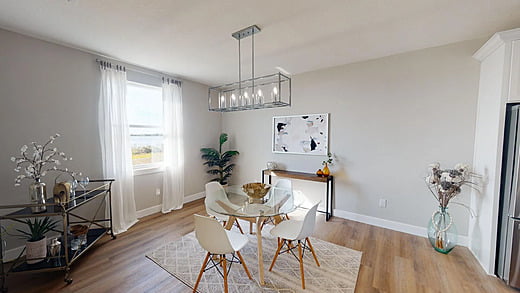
305	134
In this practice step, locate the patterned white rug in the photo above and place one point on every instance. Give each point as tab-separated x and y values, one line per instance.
337	273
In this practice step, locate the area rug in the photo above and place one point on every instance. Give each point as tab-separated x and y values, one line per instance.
337	273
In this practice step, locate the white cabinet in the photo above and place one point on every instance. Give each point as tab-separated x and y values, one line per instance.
499	85
514	80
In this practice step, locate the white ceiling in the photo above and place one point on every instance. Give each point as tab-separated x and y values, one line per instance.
192	38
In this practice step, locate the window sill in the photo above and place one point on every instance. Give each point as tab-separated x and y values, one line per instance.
146	170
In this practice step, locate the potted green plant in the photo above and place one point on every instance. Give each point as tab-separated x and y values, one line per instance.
36	245
219	162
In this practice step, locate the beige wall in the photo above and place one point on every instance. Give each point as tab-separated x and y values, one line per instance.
47	88
389	118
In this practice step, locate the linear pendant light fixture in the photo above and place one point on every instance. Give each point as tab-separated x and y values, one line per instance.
268	91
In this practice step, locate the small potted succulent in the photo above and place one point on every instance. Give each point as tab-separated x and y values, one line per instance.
36	245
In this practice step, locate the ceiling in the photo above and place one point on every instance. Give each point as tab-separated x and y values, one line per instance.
192	38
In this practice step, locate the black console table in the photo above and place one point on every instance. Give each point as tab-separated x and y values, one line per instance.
329	180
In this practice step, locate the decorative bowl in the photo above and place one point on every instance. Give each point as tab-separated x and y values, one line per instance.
256	190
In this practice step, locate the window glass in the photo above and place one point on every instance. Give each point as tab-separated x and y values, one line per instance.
145	107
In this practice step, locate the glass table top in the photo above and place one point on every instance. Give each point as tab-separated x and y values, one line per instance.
277	201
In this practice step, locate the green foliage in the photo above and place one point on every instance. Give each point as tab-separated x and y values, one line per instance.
37	229
218	162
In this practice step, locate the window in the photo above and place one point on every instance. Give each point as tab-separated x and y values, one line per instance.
145	118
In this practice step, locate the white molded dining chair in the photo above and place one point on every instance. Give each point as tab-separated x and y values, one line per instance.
294	230
218	242
214	192
277	191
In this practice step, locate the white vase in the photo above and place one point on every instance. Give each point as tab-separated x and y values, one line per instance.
36	251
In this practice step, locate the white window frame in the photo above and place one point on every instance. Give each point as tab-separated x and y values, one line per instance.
143	169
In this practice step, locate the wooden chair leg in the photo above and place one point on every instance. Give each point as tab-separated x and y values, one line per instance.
263	224
201	272
229	223
280	243
244	265
300	254
289	245
312	250
239	227
251	228
224	266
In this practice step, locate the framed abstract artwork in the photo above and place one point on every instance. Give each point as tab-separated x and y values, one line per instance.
301	134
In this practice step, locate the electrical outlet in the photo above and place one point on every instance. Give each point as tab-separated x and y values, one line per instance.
382	203
157	192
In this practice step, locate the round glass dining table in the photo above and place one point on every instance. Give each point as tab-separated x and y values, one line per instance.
277	202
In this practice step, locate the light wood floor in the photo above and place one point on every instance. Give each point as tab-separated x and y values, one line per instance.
391	262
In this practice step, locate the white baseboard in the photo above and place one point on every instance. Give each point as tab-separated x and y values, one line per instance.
392	225
148	211
155	209
480	262
194	197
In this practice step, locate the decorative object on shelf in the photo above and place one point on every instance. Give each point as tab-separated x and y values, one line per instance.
55	251
268	91
271	166
83	182
79	232
319	173
218	162
445	185
301	134
38	194
256	191
36	165
326	170
36	245
61	192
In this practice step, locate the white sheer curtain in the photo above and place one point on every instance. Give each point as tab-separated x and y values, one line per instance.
173	178
115	145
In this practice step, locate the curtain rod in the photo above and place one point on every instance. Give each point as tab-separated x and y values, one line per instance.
147	72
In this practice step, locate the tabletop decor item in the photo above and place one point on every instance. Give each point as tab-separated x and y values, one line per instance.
272	165
326	163
445	184
218	162
54	251
36	245
80	232
35	164
256	191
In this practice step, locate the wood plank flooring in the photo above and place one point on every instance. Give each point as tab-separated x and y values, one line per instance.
391	262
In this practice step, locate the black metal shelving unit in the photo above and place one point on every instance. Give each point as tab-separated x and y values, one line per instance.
98	227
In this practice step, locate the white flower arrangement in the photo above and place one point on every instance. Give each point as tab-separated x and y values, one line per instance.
43	159
446	184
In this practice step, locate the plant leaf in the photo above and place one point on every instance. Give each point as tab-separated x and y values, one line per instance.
223	138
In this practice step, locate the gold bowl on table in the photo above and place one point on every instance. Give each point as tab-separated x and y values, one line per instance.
256	191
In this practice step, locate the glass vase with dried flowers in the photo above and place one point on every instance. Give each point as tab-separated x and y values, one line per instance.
445	184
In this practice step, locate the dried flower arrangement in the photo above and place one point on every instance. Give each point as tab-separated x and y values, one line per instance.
43	159
445	184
